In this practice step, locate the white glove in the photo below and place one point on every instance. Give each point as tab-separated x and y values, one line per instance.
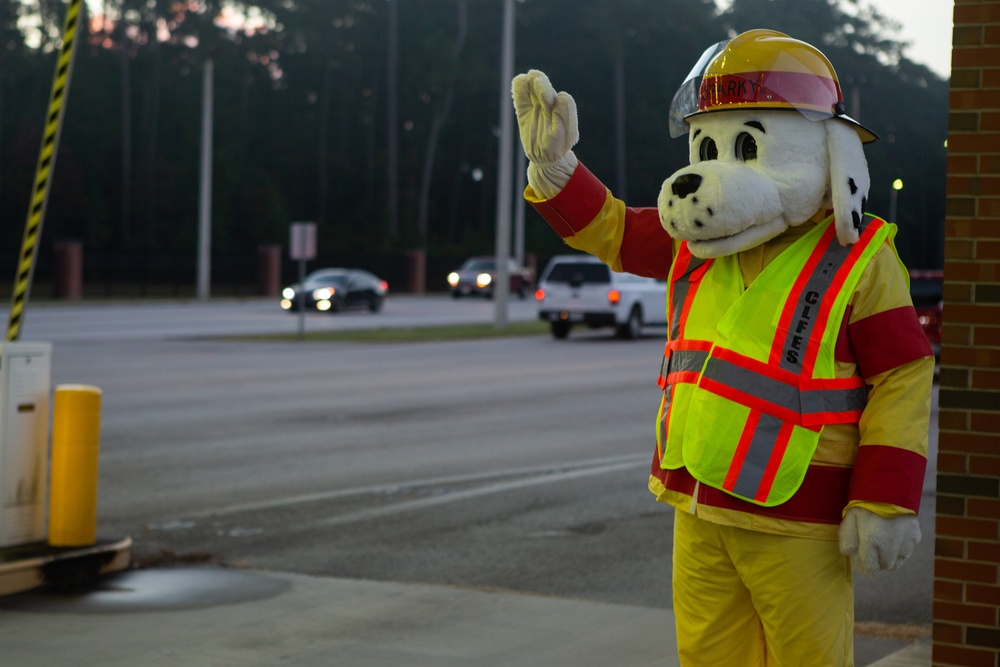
875	543
548	128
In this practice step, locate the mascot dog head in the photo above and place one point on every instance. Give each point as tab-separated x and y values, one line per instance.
770	146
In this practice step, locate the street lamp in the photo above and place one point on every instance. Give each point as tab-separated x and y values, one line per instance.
897	185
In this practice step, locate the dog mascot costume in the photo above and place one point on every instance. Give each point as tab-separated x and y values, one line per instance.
792	433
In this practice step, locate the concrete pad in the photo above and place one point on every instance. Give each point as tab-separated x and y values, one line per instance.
300	620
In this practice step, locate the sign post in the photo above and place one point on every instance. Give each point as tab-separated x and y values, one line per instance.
302	246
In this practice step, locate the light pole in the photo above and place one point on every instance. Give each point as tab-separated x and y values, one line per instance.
204	278
897	185
501	288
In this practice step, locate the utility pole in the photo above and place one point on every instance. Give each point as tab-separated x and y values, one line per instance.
501	290
205	192
392	120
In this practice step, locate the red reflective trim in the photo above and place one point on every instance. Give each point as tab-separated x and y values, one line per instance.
752	402
693	281
576	205
812	352
762	405
788	310
821	498
888	340
741	451
689	297
754	366
681	262
786	377
690	377
687	377
690	344
778	453
885	474
697	274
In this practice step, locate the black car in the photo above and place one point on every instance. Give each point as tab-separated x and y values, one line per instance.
332	290
475	278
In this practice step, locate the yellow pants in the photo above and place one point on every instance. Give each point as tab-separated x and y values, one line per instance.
743	598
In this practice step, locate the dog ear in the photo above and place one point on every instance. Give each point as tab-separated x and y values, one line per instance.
849	179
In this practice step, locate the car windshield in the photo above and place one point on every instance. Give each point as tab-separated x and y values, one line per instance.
480	265
579	272
326	279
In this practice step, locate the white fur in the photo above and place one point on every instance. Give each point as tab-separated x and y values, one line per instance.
741	204
850	182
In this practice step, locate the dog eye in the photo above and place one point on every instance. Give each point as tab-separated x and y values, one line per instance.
746	147
708	150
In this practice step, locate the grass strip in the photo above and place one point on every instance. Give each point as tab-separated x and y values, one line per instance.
405	334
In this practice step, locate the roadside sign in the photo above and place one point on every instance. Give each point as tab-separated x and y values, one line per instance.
302	241
302	246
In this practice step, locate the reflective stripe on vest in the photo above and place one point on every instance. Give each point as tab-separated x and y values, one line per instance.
678	303
685	353
784	397
753	422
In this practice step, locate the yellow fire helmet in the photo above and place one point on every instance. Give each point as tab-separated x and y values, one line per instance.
762	69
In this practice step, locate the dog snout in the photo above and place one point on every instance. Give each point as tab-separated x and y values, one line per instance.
685	184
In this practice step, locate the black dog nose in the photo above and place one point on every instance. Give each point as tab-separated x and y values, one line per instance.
685	184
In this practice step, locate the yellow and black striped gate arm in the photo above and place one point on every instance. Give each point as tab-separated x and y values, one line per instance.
43	172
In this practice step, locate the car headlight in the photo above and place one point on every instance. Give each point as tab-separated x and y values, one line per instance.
286	304
323	293
452	278
484	279
288	293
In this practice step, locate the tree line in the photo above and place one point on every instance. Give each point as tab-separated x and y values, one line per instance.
378	118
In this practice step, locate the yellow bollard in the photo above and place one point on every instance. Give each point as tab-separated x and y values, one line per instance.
76	425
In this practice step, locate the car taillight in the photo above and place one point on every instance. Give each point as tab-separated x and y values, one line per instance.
614	296
384	285
540	295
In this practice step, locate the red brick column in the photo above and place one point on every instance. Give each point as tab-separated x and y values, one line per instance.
966	579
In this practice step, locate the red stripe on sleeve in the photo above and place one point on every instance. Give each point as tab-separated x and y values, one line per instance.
576	205
884	474
888	340
647	249
843	351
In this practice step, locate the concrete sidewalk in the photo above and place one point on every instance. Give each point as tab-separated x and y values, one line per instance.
219	617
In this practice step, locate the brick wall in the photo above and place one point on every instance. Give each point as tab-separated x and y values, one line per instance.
966	577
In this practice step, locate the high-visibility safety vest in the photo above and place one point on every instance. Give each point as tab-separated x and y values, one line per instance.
749	374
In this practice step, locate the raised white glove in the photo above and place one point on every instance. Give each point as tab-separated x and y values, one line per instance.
875	543
548	128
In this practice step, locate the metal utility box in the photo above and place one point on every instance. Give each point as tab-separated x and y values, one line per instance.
25	378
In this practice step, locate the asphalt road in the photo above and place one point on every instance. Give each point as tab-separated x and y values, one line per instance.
511	463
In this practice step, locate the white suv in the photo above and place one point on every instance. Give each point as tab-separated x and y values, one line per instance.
580	289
